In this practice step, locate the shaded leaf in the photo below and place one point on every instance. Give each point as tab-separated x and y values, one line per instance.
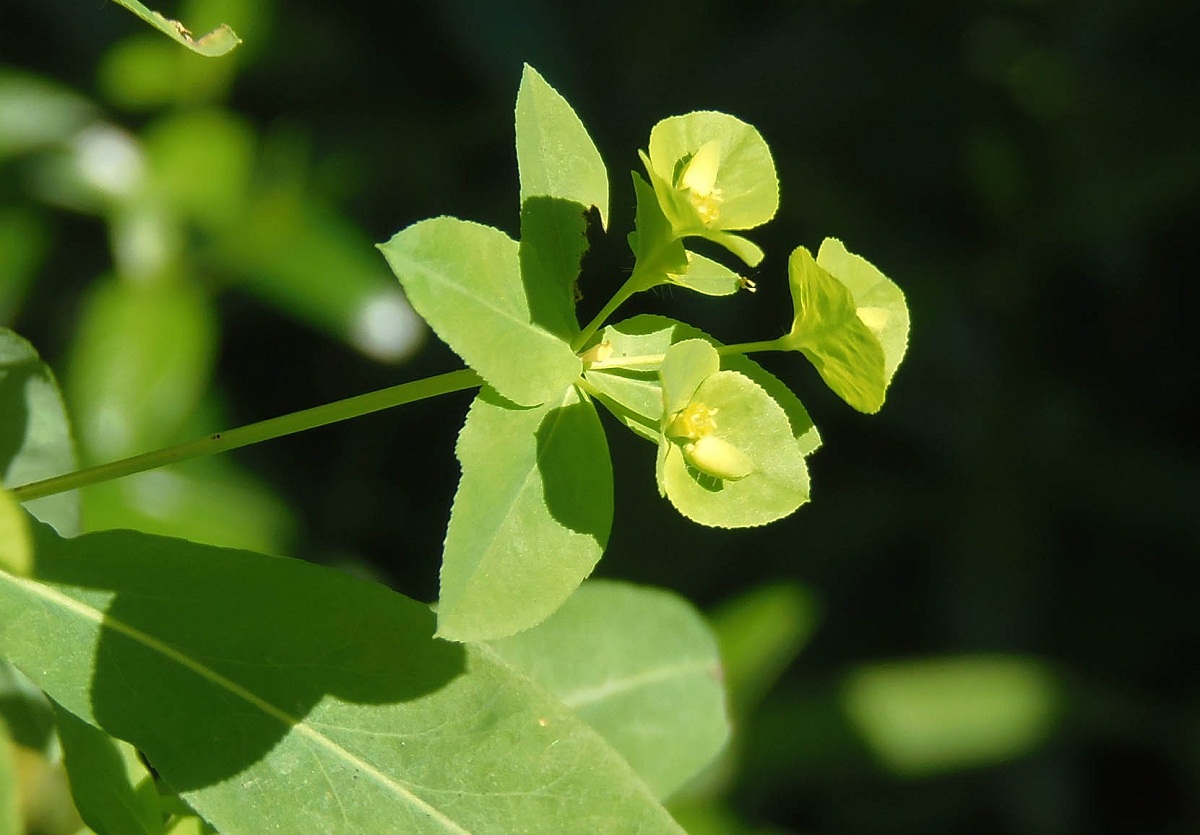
10	795
555	155
553	241
531	516
640	666
465	281
273	694
113	790
35	437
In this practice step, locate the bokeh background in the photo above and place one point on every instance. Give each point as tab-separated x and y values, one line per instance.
982	623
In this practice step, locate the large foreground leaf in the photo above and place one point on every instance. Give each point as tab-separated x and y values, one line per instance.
465	281
531	516
639	665
280	696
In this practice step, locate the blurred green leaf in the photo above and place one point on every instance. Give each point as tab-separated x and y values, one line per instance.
943	714
139	365
35	437
216	43
640	666
113	790
10	809
23	245
760	633
465	281
555	155
531	516
36	112
16	551
244	677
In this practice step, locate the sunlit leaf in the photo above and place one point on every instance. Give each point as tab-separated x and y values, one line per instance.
274	694
531	516
640	666
555	155
216	43
709	277
465	281
737	189
35	437
635	394
658	251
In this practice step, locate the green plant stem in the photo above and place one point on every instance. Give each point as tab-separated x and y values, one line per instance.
254	433
618	299
752	347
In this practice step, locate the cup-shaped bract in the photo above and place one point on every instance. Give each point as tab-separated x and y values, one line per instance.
713	173
726	454
851	322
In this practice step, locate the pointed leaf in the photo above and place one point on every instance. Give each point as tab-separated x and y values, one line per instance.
216	43
743	188
531	517
553	241
35	437
465	281
555	155
879	302
829	332
113	790
277	695
658	251
752	425
640	666
635	394
709	277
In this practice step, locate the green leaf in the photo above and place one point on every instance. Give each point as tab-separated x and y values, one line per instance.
709	277
635	394
277	695
640	666
216	43
16	551
760	633
831	329
141	361
685	366
740	183
553	241
659	253
925	716
531	516
26	710
879	302
36	112
555	155
10	794
113	790
749	425
35	437
465	281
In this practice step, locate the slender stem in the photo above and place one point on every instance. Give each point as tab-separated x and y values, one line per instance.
751	347
254	433
618	299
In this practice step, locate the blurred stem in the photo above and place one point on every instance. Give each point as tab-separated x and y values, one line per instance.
265	430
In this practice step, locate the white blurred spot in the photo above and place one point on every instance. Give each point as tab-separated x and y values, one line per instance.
109	432
109	160
386	328
143	241
875	318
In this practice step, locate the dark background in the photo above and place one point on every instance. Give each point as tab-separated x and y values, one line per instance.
1028	173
